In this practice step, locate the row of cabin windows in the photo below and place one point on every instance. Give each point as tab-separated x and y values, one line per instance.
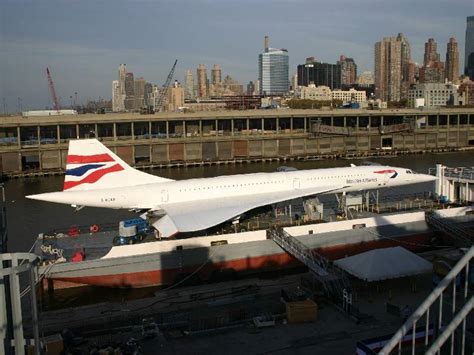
227	186
331	177
259	183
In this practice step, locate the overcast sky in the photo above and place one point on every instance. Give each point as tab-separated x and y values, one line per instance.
84	41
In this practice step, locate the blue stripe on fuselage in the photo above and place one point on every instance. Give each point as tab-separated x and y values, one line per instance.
81	170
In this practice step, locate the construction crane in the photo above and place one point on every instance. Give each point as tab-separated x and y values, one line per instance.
164	91
53	91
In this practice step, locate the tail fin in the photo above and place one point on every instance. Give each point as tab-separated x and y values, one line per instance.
91	165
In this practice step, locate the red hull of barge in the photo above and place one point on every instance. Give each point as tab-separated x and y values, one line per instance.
244	265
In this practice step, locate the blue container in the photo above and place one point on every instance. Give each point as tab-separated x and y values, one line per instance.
443	199
142	225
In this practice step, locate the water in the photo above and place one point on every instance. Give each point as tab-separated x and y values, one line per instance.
26	218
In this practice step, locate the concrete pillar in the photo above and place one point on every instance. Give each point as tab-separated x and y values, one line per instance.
440	181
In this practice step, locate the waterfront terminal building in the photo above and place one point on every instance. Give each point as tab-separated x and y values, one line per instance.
38	145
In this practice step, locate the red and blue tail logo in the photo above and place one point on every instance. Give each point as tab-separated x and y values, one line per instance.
388	171
88	169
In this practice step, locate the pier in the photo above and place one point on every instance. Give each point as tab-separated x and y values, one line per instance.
38	145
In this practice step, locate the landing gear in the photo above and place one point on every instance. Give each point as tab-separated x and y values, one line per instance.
157	234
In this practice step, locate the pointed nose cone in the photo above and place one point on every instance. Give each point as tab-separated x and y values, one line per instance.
429	178
57	197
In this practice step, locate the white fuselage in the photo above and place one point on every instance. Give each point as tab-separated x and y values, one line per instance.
156	195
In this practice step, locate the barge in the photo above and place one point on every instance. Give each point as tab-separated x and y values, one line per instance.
167	262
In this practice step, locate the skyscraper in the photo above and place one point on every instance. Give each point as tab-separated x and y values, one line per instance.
129	92
139	91
216	74
452	60
433	68
189	85
431	53
348	70
148	92
201	81
408	76
273	70
116	103
319	74
469	48
388	69
118	89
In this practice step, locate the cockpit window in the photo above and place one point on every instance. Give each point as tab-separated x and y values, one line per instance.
408	171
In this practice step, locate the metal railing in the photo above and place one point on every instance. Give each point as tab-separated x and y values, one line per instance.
451	228
463	173
332	278
437	296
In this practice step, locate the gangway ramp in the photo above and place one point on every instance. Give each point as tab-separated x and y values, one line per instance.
333	279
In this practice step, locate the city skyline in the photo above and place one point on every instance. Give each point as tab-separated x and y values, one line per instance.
83	47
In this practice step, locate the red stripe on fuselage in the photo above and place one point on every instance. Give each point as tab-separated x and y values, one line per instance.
385	171
92	178
84	159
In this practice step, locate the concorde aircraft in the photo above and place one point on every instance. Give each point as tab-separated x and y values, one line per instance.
97	177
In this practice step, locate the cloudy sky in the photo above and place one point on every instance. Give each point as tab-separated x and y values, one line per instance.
84	41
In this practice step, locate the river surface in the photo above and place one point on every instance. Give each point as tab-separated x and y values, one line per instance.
26	218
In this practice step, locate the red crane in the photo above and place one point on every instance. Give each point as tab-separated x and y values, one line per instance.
53	91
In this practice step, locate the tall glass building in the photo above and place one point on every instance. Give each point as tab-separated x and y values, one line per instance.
469	48
273	72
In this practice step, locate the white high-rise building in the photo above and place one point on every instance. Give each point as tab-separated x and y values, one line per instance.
273	71
116	98
119	95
